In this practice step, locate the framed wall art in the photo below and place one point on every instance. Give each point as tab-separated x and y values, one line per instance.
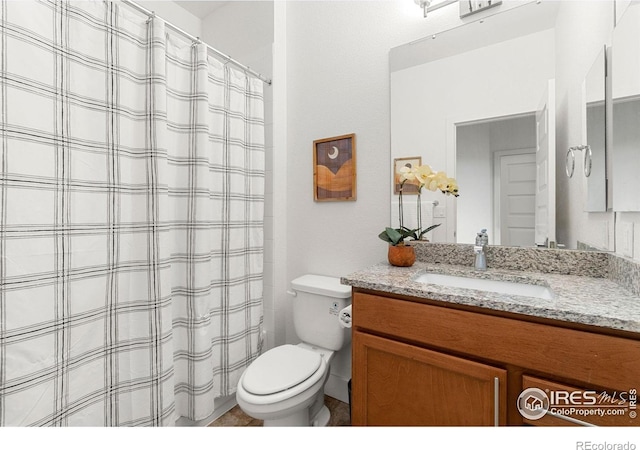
334	168
410	187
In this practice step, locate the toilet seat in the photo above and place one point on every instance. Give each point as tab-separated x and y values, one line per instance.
279	369
304	387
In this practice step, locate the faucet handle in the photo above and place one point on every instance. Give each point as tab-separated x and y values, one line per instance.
482	238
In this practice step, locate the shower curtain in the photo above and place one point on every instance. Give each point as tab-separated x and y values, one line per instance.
131	219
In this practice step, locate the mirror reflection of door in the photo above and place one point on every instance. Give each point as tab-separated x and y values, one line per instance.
497	160
515	181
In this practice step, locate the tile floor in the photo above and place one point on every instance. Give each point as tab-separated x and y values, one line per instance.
236	418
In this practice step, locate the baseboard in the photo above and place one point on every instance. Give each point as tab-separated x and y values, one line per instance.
336	387
221	405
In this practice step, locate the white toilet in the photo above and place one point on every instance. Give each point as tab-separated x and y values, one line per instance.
285	385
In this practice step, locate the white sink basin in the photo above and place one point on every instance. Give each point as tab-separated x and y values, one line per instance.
481	284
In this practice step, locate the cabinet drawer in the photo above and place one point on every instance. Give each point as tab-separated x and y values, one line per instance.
575	406
572	355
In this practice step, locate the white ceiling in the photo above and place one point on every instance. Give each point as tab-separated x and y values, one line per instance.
202	8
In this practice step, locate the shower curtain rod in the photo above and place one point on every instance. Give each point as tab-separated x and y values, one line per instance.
227	58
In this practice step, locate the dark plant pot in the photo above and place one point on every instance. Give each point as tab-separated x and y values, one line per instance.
401	255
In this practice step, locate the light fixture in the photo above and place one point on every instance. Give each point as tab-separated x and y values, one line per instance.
424	4
432	5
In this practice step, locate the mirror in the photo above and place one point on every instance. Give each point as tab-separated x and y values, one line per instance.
467	102
594	157
626	111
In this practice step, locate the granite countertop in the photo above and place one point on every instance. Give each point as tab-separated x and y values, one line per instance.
578	299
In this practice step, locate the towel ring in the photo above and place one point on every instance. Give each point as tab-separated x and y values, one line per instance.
570	160
568	170
587	161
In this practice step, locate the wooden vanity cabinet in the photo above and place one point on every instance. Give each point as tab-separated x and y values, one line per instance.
421	362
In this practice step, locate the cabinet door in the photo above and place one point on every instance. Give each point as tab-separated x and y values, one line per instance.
400	384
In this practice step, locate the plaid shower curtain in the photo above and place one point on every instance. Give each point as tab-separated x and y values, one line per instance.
131	208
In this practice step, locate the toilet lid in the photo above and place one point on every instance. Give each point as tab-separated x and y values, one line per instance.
279	369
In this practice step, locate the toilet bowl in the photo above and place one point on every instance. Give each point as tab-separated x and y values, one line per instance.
284	386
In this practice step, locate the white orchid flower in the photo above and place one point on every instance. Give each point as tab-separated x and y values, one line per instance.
407	173
422	173
451	187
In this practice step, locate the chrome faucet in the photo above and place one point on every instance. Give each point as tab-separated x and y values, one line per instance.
482	239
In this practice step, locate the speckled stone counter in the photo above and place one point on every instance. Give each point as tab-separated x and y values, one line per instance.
579	299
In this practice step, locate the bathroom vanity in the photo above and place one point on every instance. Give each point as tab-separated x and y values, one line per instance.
436	354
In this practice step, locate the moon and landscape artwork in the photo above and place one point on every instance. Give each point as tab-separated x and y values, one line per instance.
409	187
334	168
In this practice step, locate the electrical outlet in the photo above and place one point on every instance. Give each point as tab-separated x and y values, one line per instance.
439	212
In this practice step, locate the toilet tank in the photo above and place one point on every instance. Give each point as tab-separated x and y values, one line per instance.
318	301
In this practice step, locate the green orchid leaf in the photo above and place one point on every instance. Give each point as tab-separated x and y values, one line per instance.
426	230
385	237
392	236
408	233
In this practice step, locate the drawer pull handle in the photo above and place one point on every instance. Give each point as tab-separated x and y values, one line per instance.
571	419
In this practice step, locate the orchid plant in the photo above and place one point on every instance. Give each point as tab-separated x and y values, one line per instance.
429	179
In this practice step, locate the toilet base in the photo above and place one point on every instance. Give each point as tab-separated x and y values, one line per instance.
299	419
322	418
316	415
